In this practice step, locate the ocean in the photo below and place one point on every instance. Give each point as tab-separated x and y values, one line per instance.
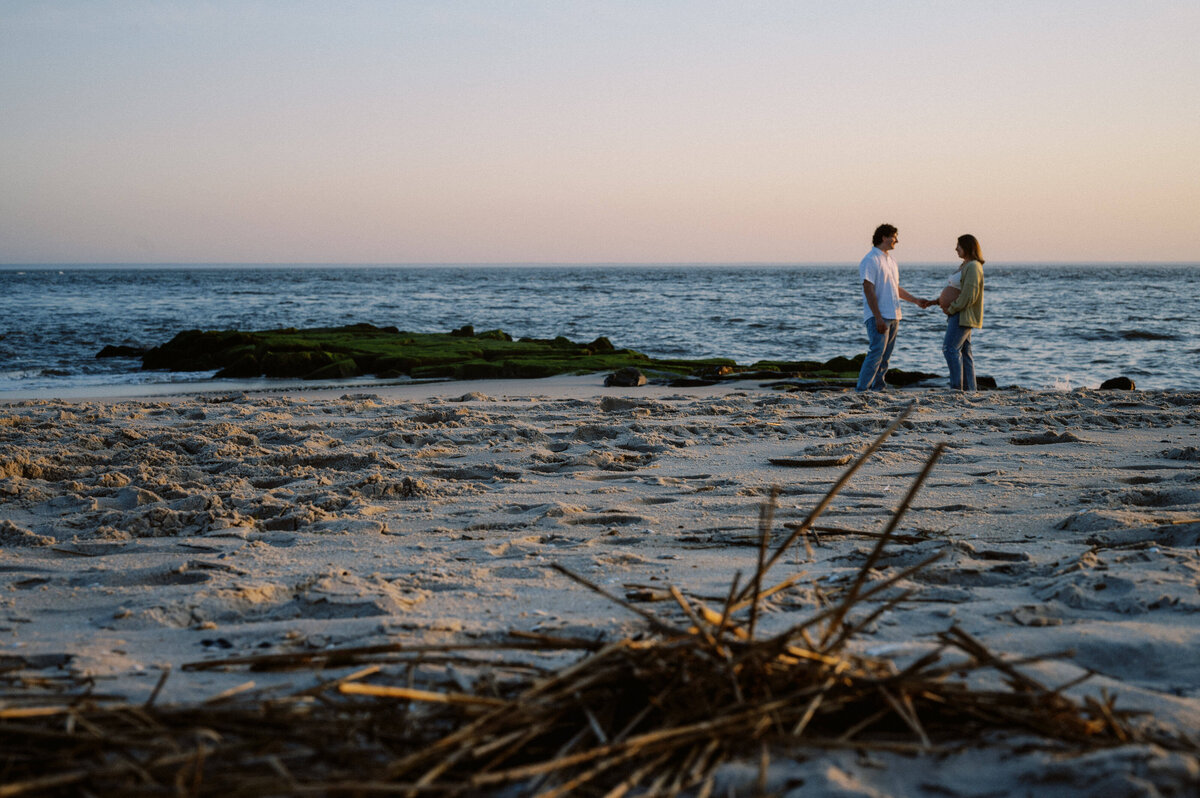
1054	327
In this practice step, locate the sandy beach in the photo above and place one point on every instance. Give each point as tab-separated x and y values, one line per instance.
144	535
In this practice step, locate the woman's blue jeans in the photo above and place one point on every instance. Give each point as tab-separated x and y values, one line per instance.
957	349
879	352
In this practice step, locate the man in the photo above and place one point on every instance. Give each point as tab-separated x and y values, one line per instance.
881	306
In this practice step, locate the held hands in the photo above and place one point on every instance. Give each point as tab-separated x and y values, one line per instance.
926	303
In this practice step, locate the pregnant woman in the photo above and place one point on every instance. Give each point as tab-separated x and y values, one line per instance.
962	302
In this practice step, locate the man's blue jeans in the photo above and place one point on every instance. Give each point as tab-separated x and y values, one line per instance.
957	349
879	352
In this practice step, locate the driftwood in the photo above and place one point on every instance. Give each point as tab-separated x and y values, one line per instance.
655	714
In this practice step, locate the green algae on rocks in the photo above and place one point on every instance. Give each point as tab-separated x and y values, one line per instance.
363	349
387	352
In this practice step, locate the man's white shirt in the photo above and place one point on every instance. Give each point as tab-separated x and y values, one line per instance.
880	270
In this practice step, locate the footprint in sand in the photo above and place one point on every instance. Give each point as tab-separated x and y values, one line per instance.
183	575
12	535
1158	498
1036	615
606	519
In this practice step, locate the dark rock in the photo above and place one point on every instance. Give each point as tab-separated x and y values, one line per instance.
756	375
987	383
789	366
902	378
355	350
121	351
845	364
435	371
480	371
292	364
1117	384
628	377
395	365
245	366
338	370
529	371
601	344
198	350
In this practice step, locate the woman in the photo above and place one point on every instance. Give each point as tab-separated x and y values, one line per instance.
962	302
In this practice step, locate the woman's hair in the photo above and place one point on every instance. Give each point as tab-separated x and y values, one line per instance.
882	232
970	248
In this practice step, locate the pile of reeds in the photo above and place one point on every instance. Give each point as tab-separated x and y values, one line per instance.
652	715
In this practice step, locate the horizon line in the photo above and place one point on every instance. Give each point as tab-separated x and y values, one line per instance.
451	264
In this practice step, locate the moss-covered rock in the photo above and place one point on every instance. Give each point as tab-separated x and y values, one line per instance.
337	370
290	363
362	349
198	350
600	345
244	365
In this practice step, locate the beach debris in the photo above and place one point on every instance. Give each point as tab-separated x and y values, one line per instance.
657	713
1045	438
628	377
810	462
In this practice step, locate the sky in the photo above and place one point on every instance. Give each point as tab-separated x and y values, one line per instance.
571	131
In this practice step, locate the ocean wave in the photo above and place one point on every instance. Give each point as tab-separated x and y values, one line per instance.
1146	335
1127	335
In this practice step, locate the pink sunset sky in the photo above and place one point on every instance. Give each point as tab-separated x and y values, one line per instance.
577	131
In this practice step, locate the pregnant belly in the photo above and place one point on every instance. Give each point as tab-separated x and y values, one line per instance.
949	294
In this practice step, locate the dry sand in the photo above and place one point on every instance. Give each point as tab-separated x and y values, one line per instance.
137	535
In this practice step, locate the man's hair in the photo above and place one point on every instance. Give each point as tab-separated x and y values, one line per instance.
882	232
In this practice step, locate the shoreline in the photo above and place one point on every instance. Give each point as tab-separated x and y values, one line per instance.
139	535
559	385
429	388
